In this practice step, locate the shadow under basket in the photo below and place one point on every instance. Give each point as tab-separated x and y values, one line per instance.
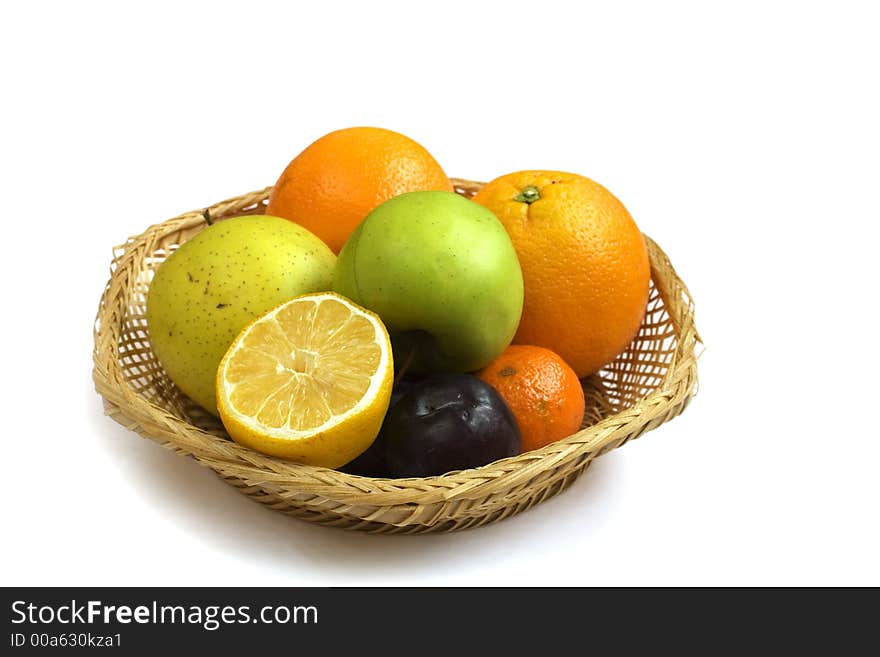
647	385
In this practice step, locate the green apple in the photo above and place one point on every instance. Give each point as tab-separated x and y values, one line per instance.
215	284
443	275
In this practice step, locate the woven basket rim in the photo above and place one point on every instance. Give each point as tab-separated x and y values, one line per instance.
232	460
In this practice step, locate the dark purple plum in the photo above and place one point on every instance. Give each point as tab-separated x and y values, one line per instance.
372	462
448	422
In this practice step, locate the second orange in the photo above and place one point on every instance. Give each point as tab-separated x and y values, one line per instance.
335	182
584	261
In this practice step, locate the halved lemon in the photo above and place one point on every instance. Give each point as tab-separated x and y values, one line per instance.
309	381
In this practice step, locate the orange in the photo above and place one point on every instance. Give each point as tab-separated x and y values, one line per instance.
335	182
542	391
584	261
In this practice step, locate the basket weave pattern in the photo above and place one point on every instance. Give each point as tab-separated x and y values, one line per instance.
649	384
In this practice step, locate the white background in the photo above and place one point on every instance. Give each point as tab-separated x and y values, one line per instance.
744	140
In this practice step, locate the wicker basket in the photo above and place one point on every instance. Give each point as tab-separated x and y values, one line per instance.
646	386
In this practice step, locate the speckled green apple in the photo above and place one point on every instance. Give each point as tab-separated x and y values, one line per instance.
443	275
215	284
